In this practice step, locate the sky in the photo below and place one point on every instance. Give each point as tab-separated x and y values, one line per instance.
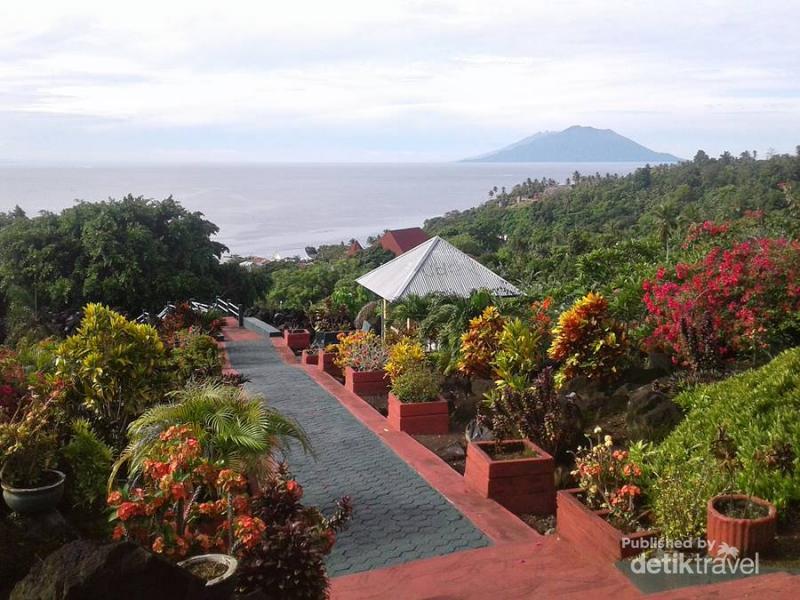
383	81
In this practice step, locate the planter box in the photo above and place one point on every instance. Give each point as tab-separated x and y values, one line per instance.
594	536
309	357
748	536
366	383
297	339
522	485
419	417
325	363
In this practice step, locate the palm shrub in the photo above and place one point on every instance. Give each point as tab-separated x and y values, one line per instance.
234	428
114	369
758	412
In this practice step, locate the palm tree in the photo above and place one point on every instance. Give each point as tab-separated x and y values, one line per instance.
666	217
232	426
412	309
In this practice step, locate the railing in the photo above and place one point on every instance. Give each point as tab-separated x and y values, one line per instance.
224	306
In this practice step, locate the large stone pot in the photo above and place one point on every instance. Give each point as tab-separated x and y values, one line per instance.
33	500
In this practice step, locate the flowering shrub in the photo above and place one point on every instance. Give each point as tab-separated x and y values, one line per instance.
609	480
732	301
361	351
185	317
186	503
404	355
288	561
480	342
588	342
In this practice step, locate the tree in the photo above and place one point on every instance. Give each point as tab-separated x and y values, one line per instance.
666	217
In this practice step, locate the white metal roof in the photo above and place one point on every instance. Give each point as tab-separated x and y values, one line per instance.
435	266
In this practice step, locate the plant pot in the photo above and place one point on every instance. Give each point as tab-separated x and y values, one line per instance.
325	363
748	536
222	586
44	498
522	485
309	357
419	417
366	383
297	339
591	532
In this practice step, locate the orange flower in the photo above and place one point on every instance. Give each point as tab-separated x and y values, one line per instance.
114	498
118	533
294	488
158	545
127	510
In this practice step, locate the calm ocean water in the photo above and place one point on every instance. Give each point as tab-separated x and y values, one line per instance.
281	208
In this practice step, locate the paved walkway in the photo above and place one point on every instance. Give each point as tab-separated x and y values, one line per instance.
397	516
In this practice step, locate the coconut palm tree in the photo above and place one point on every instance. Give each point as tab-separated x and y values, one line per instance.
666	217
232	426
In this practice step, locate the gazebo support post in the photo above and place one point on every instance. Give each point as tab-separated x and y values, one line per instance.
384	320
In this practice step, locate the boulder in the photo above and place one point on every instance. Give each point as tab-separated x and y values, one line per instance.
83	570
651	414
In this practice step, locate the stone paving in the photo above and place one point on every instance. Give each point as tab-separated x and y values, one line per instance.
397	516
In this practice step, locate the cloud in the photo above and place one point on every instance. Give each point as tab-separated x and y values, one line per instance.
674	76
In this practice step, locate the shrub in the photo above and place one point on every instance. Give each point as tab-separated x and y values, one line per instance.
235	429
88	460
588	342
420	383
13	384
738	300
185	317
520	354
114	369
534	412
186	504
195	356
361	351
608	479
404	355
480	342
758	411
288	562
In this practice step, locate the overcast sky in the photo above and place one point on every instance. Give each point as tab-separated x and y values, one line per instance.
345	80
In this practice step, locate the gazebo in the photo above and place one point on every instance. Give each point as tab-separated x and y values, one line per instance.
433	267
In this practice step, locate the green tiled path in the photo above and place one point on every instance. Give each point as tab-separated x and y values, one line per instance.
397	516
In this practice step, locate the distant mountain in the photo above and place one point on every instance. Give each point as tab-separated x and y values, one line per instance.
576	144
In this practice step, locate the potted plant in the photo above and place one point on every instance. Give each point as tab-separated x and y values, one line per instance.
362	356
326	360
309	356
414	402
29	445
602	516
217	570
297	339
742	520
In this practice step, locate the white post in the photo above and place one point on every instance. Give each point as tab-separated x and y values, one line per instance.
384	322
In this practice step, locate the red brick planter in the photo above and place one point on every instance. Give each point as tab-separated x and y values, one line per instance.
419	417
297	339
325	363
309	357
593	535
748	536
522	485
366	383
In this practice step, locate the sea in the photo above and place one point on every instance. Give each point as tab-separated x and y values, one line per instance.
276	210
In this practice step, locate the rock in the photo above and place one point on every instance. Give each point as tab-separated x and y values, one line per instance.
452	452
83	570
651	414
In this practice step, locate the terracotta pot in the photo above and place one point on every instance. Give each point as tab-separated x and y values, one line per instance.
366	383
325	363
419	417
297	339
748	536
309	357
591	532
31	500
221	587
522	485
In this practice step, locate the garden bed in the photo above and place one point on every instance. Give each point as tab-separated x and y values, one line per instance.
591	532
419	417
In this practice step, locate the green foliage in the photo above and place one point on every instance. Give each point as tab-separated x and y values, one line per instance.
113	368
232	426
419	383
758	410
519	355
134	254
195	356
88	461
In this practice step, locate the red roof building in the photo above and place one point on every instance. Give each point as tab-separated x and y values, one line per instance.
354	248
398	241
